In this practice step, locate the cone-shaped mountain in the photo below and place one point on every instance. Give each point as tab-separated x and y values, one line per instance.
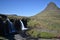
51	6
49	17
50	10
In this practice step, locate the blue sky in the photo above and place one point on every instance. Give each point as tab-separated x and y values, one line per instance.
24	7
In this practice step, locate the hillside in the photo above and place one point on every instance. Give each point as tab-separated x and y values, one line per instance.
46	23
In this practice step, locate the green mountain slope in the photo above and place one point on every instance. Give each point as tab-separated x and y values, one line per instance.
46	21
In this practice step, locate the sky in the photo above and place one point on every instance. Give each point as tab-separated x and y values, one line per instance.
24	7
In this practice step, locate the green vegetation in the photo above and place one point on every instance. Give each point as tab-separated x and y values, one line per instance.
47	35
16	17
33	23
33	33
47	19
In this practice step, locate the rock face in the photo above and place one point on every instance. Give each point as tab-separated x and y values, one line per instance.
3	16
4	29
18	37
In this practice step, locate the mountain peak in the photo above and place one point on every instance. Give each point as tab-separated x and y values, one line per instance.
52	3
51	6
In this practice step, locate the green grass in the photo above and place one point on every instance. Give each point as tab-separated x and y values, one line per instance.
36	34
33	33
33	23
48	19
46	35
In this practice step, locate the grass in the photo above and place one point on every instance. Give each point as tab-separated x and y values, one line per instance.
33	33
46	35
33	23
36	34
48	19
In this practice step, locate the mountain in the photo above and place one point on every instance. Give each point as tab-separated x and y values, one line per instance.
51	6
50	11
46	21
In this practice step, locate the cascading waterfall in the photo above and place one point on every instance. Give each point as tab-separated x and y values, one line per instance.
22	26
11	26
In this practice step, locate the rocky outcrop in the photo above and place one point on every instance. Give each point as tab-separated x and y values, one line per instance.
4	29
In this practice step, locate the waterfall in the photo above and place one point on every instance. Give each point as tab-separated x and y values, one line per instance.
22	26
11	26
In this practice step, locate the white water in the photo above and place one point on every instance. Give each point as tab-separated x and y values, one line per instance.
22	25
11	26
